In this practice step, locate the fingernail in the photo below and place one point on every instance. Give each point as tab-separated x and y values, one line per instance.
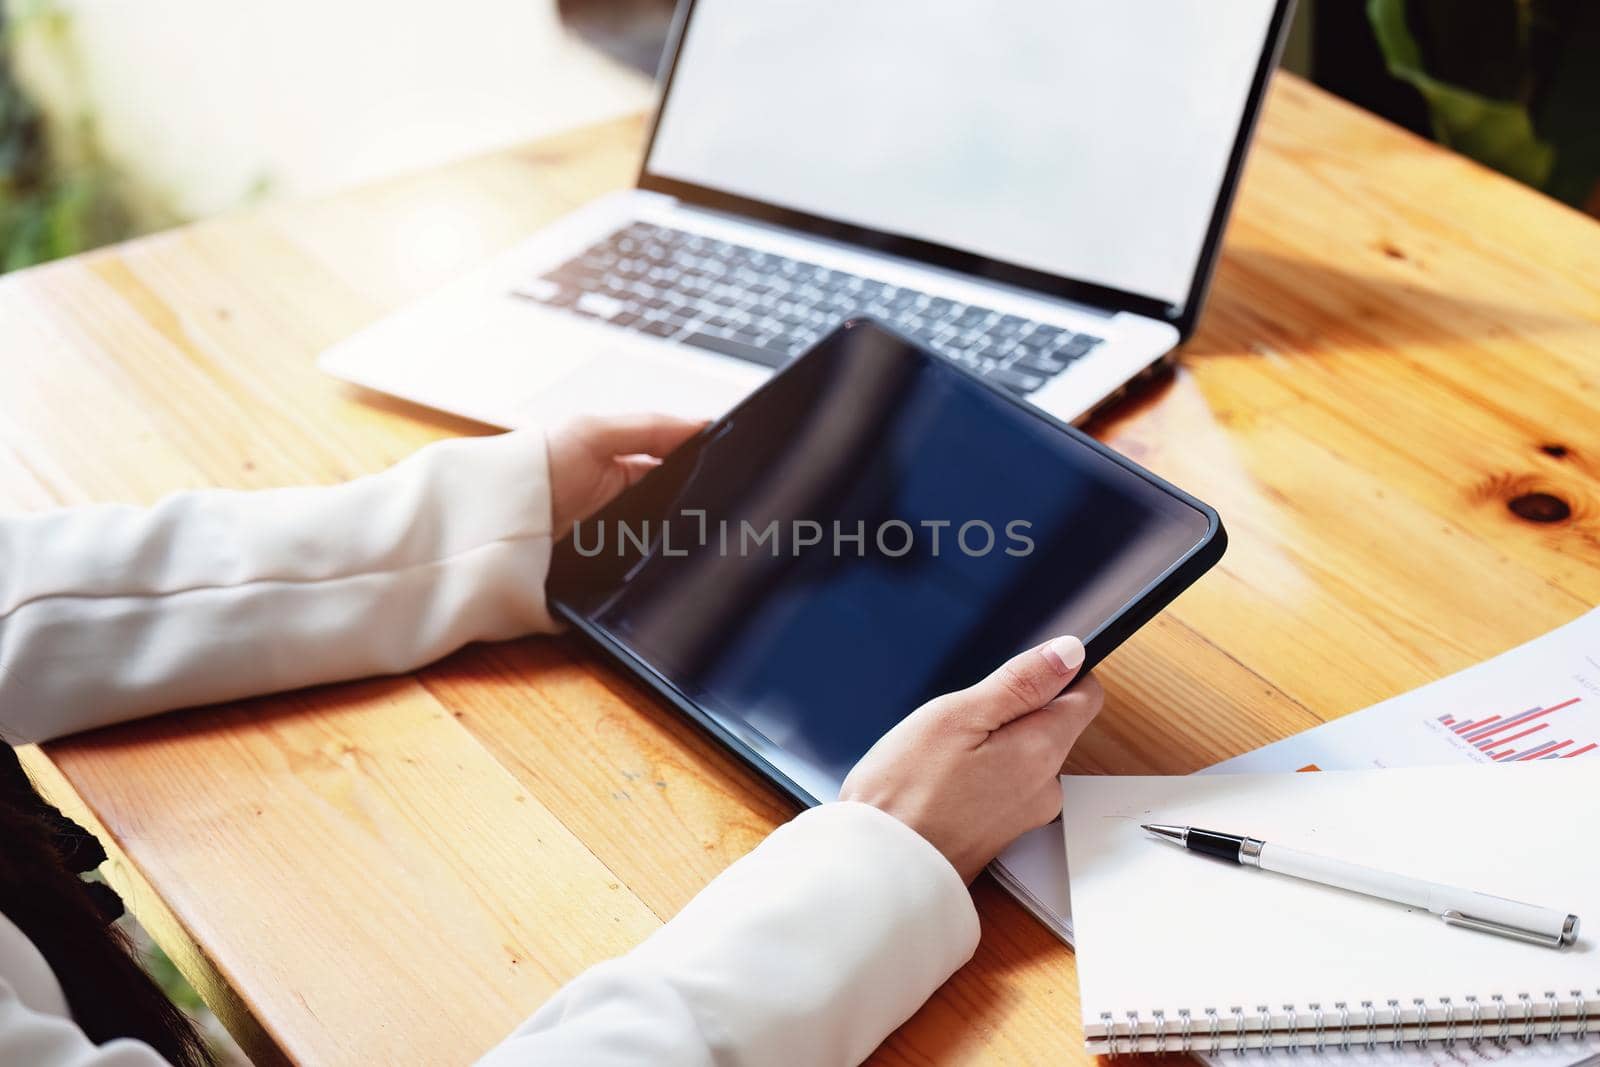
1065	652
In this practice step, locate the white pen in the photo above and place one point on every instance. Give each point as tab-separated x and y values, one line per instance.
1458	907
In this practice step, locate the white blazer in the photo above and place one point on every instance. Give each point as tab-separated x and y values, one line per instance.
809	950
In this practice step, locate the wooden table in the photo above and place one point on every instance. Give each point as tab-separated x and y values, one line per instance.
1392	400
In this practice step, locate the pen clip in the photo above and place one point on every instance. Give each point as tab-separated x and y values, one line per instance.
1489	926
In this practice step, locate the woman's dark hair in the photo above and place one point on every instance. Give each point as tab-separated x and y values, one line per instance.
69	921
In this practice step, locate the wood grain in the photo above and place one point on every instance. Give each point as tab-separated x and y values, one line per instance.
1400	346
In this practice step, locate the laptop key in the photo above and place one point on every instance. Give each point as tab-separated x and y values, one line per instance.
1014	380
727	346
578	273
543	290
659	327
1042	363
1042	332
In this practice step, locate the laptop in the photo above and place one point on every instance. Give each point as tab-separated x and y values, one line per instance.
1036	190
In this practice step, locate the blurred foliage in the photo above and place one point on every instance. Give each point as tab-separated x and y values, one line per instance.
160	967
172	982
55	198
1515	84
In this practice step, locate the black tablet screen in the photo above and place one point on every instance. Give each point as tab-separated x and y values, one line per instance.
868	530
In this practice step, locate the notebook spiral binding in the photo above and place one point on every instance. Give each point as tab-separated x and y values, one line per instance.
1366	1026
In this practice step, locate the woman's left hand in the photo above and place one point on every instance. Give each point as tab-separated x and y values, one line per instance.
592	459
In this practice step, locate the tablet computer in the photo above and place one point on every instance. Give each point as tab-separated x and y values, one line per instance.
871	528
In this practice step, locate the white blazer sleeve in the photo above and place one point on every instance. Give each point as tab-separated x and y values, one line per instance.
809	951
112	612
34	1026
43	1039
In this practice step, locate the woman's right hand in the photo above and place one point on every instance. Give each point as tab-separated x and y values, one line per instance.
973	770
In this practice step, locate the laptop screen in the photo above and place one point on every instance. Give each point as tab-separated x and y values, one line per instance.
1082	139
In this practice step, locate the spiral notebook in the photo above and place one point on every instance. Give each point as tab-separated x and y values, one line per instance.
1177	952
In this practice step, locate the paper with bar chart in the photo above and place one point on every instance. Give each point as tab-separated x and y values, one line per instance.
1538	701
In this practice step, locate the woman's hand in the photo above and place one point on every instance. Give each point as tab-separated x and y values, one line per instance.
593	459
974	770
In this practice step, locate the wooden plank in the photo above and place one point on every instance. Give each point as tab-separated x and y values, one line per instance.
142	899
374	884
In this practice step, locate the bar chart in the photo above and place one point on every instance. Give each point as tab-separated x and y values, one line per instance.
1539	701
1533	734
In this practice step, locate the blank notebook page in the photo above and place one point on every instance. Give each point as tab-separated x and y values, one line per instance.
1161	928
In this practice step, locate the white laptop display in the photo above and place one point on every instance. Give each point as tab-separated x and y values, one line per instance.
1036	189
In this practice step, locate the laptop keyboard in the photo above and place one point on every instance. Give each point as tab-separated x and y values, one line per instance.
768	308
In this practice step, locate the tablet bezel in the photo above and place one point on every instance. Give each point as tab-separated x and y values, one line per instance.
1099	643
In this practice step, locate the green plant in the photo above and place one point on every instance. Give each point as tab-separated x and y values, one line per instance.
53	202
1513	83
